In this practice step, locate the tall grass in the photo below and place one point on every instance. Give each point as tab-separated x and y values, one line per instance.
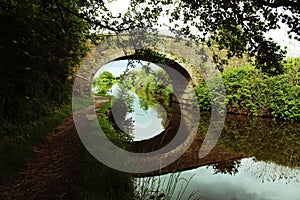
172	186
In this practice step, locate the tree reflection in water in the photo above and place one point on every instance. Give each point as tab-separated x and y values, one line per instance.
122	103
271	146
228	167
151	89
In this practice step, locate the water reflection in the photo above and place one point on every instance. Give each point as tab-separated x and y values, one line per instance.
145	122
252	180
265	139
270	168
141	104
121	105
271	149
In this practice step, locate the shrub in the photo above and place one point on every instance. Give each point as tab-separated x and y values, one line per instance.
249	91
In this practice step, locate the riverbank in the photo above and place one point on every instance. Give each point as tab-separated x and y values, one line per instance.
97	180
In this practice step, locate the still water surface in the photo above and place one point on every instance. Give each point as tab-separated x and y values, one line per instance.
270	169
146	123
253	181
145	120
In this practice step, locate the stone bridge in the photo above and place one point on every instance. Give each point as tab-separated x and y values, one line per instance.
192	61
192	65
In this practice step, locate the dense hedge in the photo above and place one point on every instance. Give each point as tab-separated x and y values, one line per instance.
40	42
251	92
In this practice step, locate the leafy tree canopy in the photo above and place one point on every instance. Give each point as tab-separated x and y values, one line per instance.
104	82
237	26
41	40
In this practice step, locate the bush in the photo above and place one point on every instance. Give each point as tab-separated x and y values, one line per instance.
39	49
251	92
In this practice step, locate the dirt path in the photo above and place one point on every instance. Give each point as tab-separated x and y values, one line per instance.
52	171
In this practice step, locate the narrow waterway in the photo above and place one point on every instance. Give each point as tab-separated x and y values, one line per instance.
269	169
250	180
254	158
143	117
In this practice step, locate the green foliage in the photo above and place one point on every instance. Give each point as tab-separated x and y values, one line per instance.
154	57
117	136
40	43
213	96
263	138
237	27
122	103
104	82
249	91
152	86
227	167
98	181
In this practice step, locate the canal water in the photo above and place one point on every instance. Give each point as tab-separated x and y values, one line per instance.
146	123
252	180
269	169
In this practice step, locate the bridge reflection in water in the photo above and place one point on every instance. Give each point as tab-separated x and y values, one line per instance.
255	158
264	139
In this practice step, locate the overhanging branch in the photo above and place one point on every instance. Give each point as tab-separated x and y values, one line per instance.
276	4
97	23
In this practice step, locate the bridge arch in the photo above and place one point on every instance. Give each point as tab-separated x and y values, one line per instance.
187	62
184	78
169	65
156	58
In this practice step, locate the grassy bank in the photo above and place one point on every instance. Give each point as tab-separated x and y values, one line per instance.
15	150
251	92
97	181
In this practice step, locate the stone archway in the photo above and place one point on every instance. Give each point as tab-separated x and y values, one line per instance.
183	103
189	64
188	58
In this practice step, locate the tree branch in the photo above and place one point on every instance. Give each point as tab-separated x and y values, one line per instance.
277	4
84	17
61	13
